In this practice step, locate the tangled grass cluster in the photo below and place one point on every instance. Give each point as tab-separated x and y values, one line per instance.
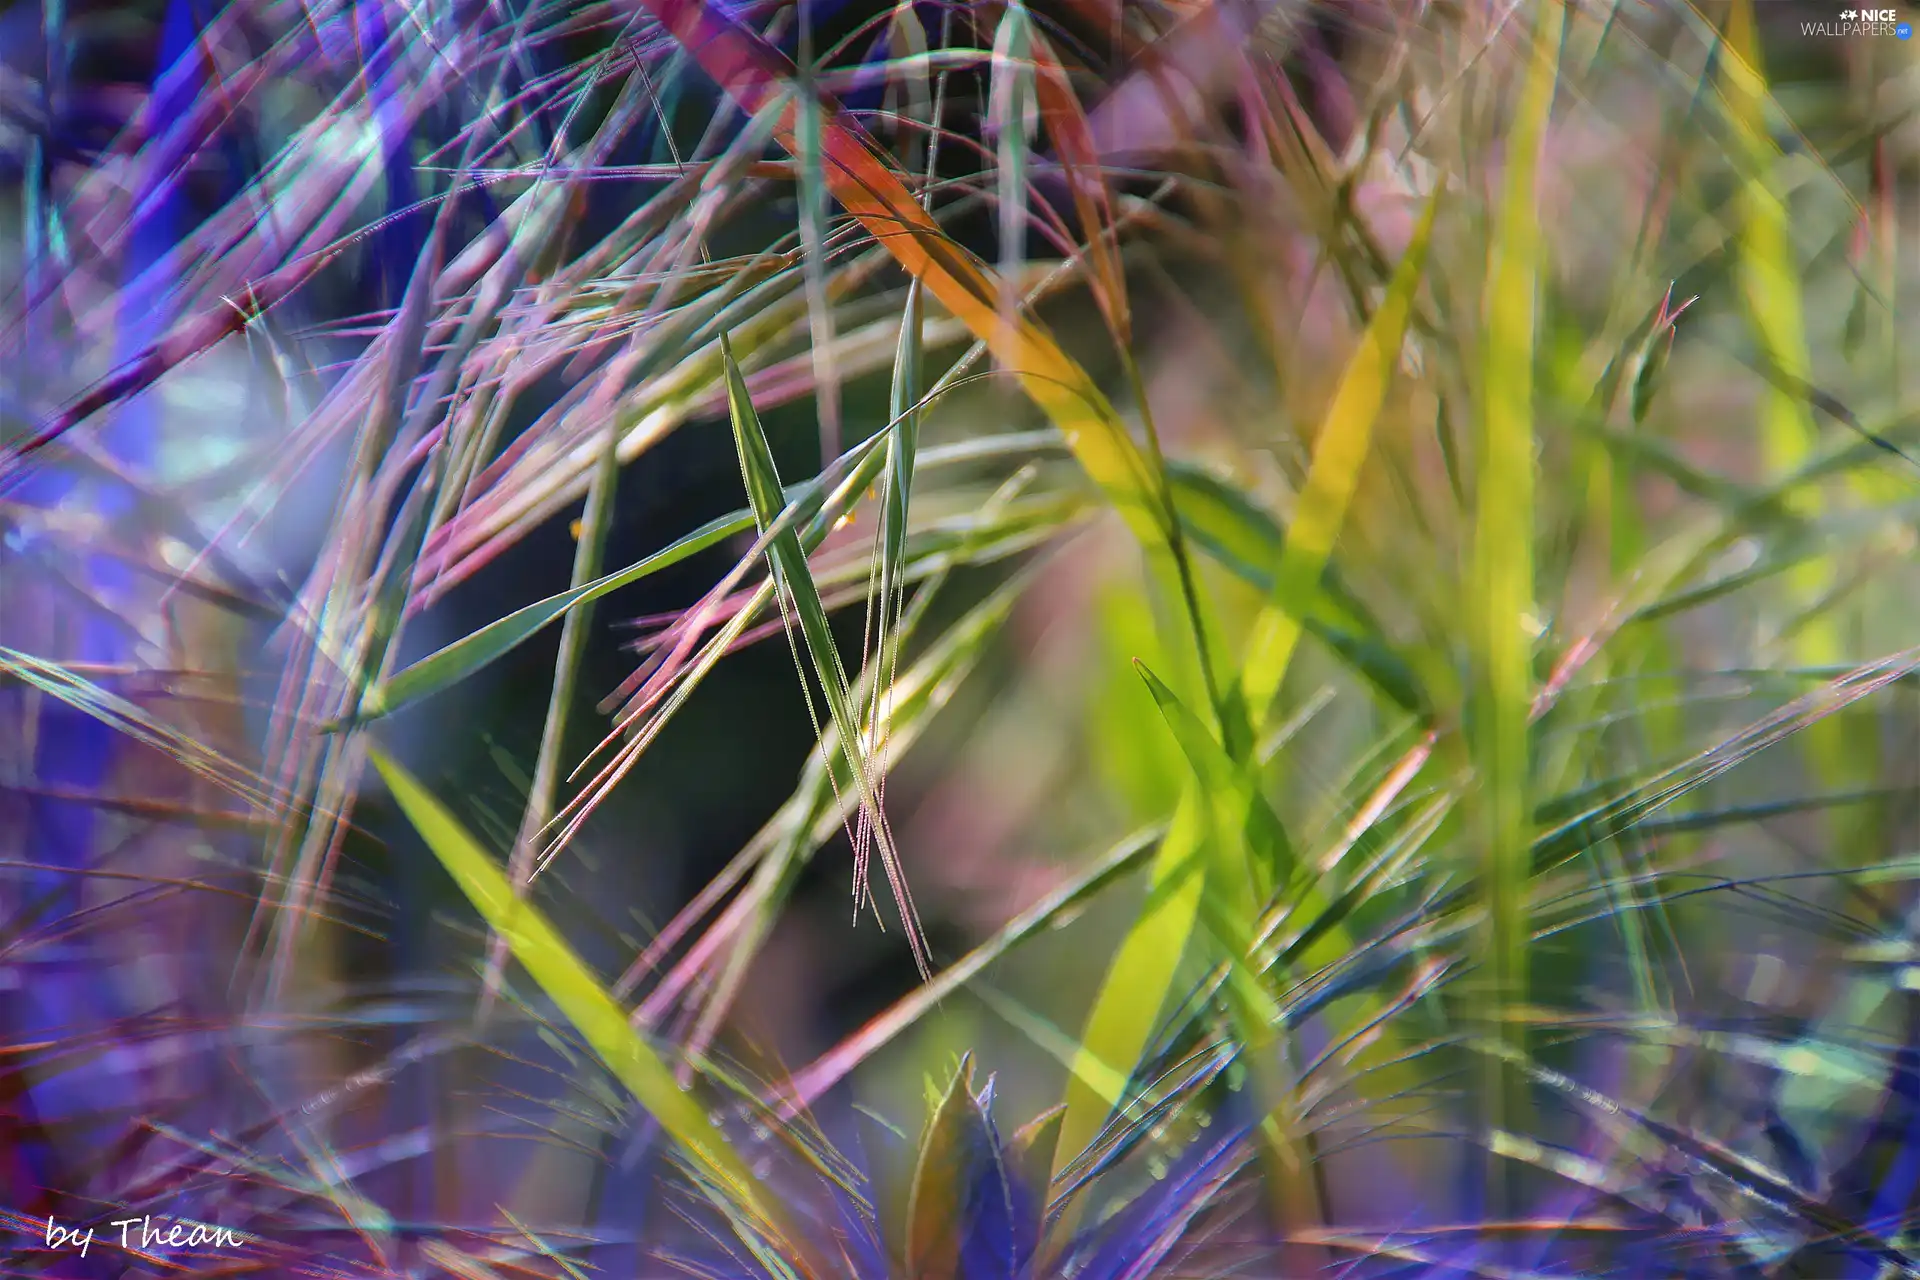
1367	532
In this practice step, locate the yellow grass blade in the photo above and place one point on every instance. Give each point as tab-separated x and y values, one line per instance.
1769	279
1138	981
1501	586
578	994
1769	275
1338	454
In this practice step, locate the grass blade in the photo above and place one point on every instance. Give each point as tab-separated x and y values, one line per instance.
1072	134
1338	454
813	252
1012	116
868	188
479	649
794	580
1242	833
1769	278
1501	586
1138	981
887	581
1142	972
820	803
834	1066
1261	856
580	996
594	523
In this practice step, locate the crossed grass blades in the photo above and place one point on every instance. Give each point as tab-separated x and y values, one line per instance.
1492	455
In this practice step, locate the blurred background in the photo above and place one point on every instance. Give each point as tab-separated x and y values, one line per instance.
337	335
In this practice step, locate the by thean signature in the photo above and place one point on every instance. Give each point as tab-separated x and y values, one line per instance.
179	1235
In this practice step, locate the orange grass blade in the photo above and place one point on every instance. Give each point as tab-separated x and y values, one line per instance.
1072	133
864	182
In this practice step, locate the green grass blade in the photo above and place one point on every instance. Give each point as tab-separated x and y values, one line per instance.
818	805
594	523
904	444
1252	837
1501	586
788	560
974	540
1338	454
480	649
477	650
576	991
1012	117
1130	1000
1230	529
1254	854
1242	832
1138	981
1769	276
1259	837
887	577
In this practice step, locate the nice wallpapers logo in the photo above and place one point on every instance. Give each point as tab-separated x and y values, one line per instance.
1862	22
